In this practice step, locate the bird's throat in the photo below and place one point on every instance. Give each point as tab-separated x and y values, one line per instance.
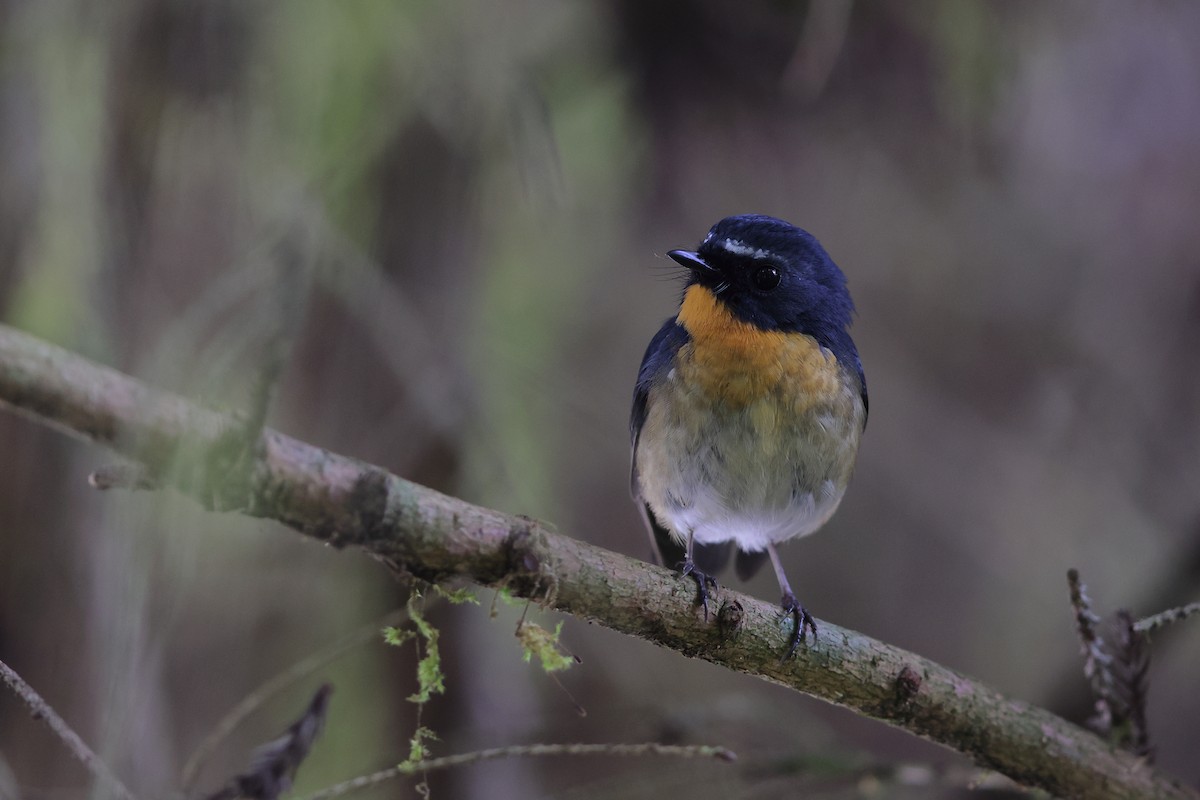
711	324
741	363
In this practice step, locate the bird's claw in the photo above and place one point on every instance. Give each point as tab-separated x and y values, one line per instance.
803	621
703	581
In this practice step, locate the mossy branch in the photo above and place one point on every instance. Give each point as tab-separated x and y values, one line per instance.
416	530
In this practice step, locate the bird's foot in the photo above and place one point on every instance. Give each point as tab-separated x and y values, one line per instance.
703	581
803	622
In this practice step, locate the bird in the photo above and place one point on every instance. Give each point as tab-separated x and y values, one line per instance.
749	406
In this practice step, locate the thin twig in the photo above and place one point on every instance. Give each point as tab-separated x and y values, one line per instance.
447	762
1131	663
1085	619
1116	663
273	686
1097	661
43	711
1161	620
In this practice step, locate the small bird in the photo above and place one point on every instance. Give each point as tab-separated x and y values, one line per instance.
749	405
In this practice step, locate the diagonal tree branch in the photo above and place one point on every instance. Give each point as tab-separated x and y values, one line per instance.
413	529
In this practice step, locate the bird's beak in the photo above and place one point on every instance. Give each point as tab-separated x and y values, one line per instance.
692	261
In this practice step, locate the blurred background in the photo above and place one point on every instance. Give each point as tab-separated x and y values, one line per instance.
452	219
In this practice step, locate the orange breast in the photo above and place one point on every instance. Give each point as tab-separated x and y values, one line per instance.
738	364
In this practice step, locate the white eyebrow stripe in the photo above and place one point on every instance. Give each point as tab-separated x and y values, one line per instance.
742	249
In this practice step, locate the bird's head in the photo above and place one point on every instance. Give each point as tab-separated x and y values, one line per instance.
771	274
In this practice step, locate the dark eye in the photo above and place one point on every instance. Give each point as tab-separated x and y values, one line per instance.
765	278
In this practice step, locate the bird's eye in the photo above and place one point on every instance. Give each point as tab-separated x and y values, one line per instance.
765	278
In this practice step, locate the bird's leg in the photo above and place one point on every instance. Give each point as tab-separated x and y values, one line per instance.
792	606
703	580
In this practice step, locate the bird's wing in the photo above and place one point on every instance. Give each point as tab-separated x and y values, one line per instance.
660	355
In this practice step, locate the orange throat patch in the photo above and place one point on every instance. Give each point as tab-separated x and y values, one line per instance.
740	363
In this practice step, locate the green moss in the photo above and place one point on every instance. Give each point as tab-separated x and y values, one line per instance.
456	596
430	679
417	750
537	641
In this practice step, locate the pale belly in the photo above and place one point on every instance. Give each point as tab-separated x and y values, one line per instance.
756	474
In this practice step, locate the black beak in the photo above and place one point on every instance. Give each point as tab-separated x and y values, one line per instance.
692	261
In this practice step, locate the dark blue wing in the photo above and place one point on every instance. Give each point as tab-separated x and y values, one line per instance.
658	358
660	355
